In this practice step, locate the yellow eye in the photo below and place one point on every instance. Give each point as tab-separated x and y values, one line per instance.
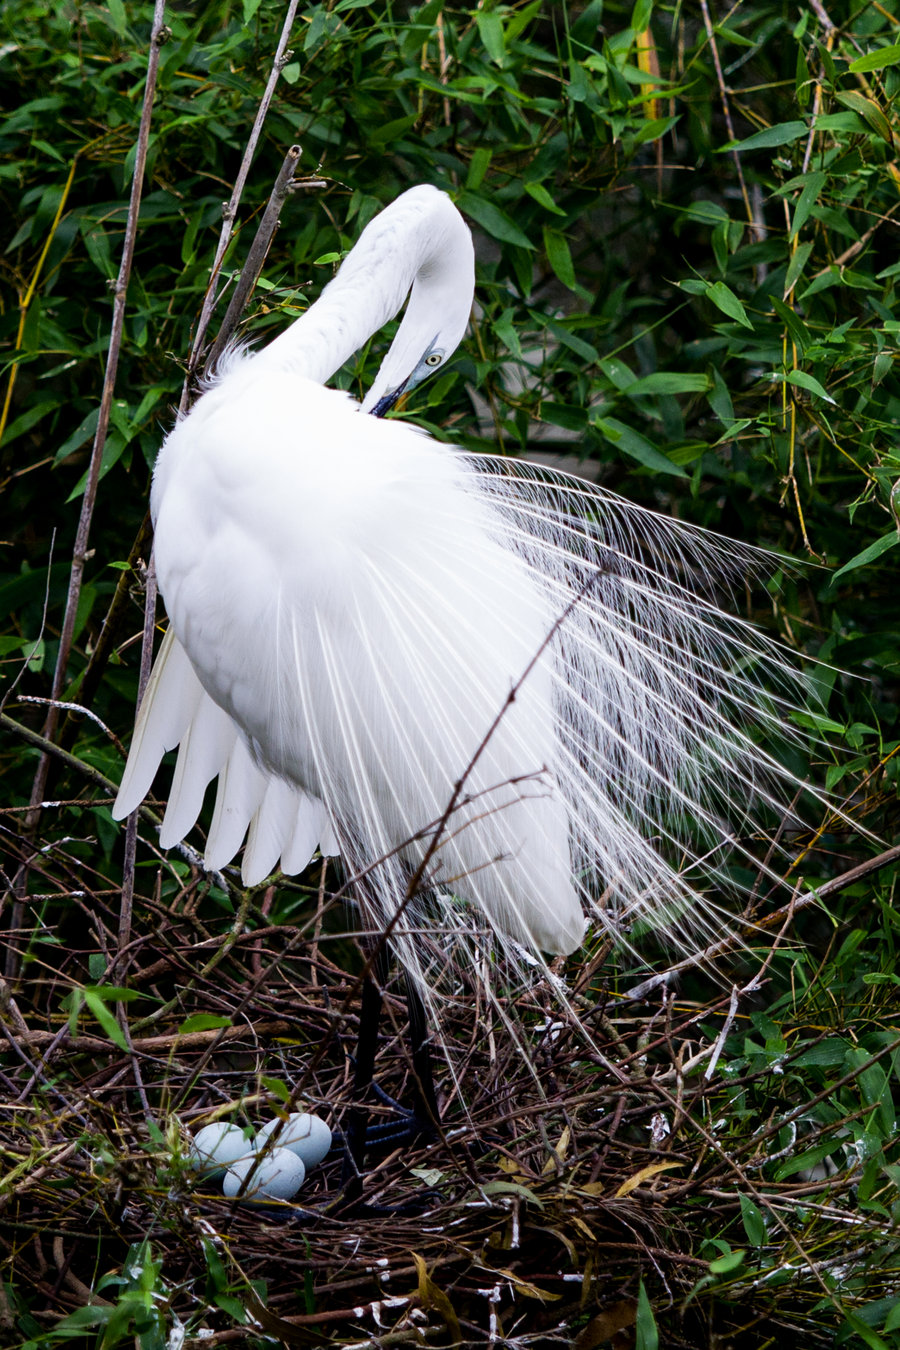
433	359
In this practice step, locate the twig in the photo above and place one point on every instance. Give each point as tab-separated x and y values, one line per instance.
256	254
726	109
112	624
79	708
49	748
131	829
811	897
24	666
229	211
158	35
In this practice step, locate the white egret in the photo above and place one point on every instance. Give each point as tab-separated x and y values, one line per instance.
368	627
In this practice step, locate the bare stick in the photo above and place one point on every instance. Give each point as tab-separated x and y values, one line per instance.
256	254
157	37
726	107
229	211
749	931
113	628
131	829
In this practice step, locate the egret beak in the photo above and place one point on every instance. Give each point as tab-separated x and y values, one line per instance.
394	398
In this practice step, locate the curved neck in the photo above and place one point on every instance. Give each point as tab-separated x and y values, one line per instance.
405	246
348	312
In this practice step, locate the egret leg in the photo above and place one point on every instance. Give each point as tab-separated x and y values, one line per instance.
363	1075
412	1123
425	1108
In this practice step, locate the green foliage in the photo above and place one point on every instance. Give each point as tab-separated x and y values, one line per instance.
695	298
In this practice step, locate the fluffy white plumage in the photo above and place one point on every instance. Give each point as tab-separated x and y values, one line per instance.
352	603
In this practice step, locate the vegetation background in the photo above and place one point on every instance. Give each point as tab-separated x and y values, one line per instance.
686	223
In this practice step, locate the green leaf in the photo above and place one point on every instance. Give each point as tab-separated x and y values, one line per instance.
493	220
26	420
646	1334
620	375
637	446
278	1089
868	555
97	1006
571	340
559	257
203	1022
877	60
785	133
724	1265
802	380
85	432
869	111
542	197
754	1223
562	415
654	128
512	1188
797	329
726	300
719	398
668	382
392	131
806	201
490	30
118	16
508	334
478	167
112	453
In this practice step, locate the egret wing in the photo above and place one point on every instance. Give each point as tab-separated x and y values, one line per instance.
283	821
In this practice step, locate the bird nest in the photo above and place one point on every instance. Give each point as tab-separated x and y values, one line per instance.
600	1160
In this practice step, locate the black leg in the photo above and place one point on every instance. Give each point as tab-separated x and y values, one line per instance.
425	1106
410	1124
364	1072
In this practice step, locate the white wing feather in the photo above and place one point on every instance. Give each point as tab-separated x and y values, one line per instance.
176	710
169	703
383	627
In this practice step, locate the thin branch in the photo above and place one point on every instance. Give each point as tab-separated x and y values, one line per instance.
113	625
256	254
749	931
131	829
158	36
726	107
230	209
49	748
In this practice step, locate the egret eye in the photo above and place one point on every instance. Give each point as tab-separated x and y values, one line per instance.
433	359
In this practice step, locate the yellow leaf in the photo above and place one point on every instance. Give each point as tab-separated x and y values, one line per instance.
430	1296
607	1324
526	1288
644	1175
512	1170
560	1150
648	62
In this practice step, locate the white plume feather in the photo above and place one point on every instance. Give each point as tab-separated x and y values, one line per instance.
517	683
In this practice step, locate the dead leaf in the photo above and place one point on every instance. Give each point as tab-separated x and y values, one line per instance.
431	1296
601	1329
644	1175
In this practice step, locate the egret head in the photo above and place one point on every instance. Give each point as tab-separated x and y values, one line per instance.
431	361
439	306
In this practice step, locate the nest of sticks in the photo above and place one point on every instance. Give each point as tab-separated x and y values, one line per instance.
593	1151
